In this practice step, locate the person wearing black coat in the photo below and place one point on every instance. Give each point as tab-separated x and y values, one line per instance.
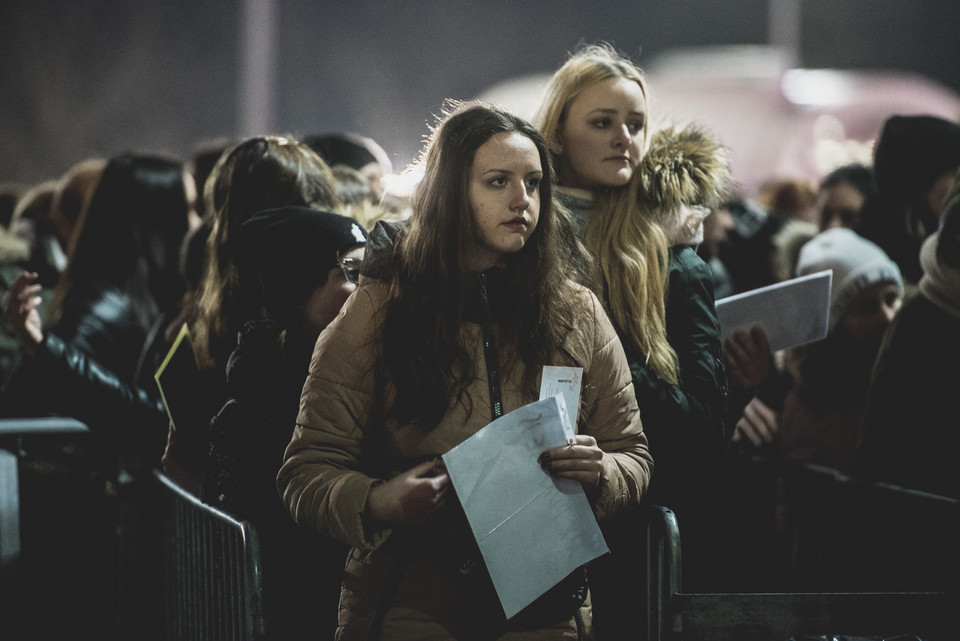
302	264
81	362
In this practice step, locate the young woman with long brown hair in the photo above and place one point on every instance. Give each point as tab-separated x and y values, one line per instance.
475	302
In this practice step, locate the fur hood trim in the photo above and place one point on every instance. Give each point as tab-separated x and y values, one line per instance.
683	166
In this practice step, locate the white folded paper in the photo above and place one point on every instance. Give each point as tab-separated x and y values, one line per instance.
532	529
792	313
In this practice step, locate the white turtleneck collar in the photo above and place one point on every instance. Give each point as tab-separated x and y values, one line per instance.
940	284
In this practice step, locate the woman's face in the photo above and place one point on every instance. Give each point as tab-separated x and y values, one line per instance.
602	139
323	305
504	195
839	206
872	311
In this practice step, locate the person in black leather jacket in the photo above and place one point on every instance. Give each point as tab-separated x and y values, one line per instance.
80	362
120	276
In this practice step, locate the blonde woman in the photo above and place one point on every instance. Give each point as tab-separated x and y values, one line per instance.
595	118
681	178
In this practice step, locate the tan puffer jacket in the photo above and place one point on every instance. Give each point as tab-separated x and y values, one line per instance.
324	480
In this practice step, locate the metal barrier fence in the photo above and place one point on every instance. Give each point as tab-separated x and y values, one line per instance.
212	571
12	431
829	501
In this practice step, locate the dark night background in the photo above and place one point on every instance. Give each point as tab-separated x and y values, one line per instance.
98	77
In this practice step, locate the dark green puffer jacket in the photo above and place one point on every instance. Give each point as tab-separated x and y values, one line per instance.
685	423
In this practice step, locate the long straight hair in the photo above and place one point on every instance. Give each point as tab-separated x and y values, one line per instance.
427	361
129	234
256	174
630	252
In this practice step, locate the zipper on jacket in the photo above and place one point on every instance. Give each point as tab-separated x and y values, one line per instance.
581	627
490	352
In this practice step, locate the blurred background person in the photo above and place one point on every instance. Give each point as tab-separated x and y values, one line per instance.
822	412
356	152
120	277
914	160
909	432
716	226
794	198
301	265
841	195
256	174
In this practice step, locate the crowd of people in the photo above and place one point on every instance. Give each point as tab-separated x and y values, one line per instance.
346	337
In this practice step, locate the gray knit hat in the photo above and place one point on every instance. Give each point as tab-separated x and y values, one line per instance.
856	262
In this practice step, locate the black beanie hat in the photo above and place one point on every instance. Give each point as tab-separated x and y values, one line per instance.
911	153
285	254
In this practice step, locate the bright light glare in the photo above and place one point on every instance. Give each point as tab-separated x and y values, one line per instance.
404	183
816	87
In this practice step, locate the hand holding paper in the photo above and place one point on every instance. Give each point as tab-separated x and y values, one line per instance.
509	501
579	461
791	313
748	357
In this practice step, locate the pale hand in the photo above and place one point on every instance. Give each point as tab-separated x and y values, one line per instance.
580	461
20	309
410	497
759	424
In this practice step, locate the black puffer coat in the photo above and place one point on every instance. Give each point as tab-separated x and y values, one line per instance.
301	570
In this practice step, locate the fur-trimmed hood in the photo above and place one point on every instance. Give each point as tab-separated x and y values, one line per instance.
684	166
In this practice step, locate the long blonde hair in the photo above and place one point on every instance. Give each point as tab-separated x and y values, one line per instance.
628	232
631	252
